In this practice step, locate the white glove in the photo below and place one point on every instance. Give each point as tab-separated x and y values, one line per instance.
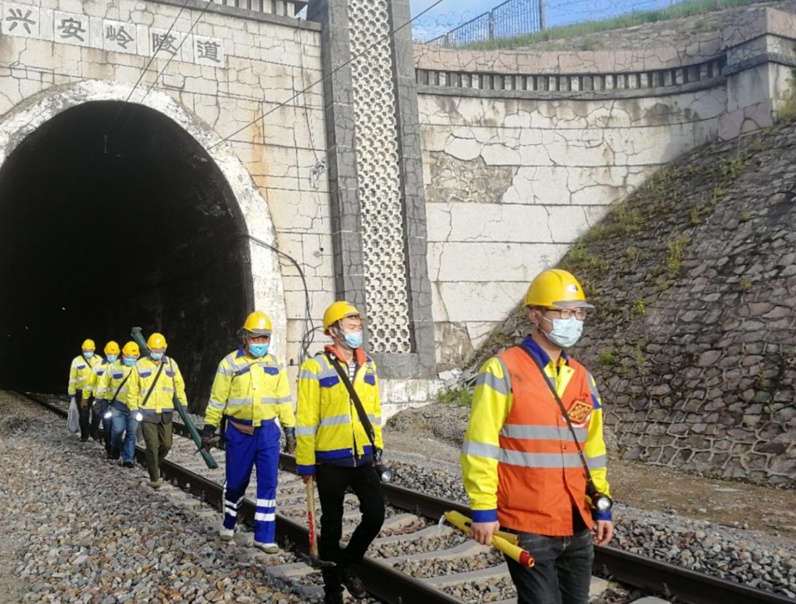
138	416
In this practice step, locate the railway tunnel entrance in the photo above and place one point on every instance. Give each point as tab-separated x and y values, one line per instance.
101	234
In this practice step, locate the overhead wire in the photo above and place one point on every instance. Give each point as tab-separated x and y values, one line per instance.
143	72
386	36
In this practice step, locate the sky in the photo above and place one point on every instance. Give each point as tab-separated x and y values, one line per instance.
452	13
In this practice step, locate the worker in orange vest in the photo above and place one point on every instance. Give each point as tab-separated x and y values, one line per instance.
533	458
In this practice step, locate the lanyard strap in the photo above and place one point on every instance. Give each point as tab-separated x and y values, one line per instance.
563	412
363	417
119	389
152	389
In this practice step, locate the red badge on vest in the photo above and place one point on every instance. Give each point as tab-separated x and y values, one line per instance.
579	412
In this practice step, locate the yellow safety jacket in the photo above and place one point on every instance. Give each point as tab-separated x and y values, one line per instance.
250	391
80	373
116	375
141	382
328	429
94	378
519	461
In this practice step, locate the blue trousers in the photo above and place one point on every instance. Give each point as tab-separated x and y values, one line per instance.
562	573
122	423
244	452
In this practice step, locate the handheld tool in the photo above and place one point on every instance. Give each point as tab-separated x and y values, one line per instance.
501	540
313	559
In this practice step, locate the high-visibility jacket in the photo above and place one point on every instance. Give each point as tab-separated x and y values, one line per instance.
92	387
141	382
251	391
110	382
519	461
80	373
328	430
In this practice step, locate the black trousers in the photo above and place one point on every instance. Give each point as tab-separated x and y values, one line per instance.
332	483
84	415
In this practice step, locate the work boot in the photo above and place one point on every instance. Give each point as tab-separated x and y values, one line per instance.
116	453
128	464
353	583
156	484
226	534
268	548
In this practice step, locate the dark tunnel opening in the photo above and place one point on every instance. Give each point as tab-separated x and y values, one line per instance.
98	236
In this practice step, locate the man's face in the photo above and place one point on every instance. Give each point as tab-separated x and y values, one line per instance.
351	324
258	339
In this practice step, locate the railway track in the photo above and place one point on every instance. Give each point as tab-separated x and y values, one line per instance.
395	572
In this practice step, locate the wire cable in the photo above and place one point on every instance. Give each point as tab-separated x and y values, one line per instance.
387	36
141	76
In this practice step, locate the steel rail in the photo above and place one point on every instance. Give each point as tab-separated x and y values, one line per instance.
391	586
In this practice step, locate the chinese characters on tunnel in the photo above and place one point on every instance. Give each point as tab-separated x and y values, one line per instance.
106	34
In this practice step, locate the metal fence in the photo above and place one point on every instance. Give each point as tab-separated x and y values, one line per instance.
512	18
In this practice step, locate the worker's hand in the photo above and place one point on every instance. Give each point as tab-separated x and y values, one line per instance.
209	437
603	531
71	398
290	441
306	478
482	531
138	416
83	402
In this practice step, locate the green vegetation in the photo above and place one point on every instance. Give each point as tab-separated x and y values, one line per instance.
686	8
746	215
639	307
674	255
461	397
606	357
745	285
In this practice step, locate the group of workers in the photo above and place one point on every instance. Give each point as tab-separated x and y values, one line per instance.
533	459
123	393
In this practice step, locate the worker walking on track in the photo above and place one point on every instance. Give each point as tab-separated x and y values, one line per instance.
79	378
533	459
154	380
250	392
339	441
99	406
113	386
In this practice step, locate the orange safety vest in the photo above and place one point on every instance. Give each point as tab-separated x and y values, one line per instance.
540	475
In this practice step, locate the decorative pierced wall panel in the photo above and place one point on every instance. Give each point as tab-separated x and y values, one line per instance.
379	188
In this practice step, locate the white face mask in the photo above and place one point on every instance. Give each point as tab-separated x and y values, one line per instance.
565	333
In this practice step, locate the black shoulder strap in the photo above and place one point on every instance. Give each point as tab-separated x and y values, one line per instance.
563	411
363	417
152	389
124	381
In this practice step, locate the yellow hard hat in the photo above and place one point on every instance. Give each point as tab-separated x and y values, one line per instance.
156	340
131	349
556	288
89	345
111	348
257	324
338	310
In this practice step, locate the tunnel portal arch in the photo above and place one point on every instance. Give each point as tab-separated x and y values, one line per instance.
103	229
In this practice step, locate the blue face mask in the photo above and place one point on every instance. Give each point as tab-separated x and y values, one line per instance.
353	340
128	362
112	357
155	356
258	350
87	354
566	332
